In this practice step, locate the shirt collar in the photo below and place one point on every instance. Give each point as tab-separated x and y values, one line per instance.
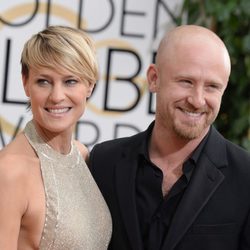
188	165
192	161
199	149
143	149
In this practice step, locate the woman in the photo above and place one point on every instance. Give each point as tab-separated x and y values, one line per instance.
49	199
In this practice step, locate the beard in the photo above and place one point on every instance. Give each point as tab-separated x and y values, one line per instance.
178	119
193	130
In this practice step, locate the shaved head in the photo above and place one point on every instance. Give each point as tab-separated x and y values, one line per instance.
191	35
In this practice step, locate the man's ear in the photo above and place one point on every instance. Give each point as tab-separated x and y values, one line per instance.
25	85
152	76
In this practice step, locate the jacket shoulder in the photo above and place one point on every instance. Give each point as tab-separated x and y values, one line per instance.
237	153
112	147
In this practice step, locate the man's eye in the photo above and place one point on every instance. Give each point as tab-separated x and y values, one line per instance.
213	87
186	82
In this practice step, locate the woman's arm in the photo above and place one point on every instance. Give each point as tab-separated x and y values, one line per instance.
12	201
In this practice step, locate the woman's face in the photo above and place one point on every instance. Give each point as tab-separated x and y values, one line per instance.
57	97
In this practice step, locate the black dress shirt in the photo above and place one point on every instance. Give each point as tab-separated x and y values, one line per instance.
155	211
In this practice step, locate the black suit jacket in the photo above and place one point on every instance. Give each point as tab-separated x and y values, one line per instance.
214	213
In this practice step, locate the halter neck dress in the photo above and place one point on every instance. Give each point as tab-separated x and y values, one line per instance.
77	217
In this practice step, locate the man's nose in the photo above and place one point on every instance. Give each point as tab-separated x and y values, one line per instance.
197	98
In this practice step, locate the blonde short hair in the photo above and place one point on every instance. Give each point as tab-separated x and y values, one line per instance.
61	47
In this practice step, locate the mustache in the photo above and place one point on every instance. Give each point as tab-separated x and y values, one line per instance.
191	109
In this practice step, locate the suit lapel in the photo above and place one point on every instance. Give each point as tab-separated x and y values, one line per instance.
204	182
125	177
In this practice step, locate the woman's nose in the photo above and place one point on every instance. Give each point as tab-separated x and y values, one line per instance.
57	93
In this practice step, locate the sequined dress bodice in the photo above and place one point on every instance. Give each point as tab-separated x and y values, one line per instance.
77	217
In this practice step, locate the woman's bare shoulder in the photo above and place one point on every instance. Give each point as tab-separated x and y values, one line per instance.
15	159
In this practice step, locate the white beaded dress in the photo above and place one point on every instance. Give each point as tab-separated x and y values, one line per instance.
77	217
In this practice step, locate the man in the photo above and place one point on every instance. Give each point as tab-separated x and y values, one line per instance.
179	185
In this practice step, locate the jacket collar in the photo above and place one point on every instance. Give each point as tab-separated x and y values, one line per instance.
205	180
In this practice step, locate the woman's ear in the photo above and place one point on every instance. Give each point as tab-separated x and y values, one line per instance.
90	89
25	85
152	76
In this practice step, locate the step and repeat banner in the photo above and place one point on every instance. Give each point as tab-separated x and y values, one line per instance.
126	34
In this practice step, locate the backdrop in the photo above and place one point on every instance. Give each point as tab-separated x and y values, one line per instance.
126	34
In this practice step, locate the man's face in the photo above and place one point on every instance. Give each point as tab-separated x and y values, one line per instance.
189	89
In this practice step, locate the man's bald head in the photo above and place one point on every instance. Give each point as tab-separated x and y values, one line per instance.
191	35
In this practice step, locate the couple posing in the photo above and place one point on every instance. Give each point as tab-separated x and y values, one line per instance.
179	185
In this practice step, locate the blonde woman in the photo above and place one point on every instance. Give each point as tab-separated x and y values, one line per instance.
49	199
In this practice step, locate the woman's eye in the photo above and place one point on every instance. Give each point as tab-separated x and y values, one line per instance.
71	82
42	82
